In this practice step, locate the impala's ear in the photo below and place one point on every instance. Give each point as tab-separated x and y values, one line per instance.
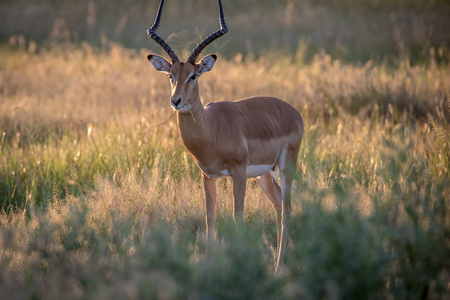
206	64
159	63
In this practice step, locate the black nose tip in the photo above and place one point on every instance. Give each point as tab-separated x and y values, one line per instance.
175	103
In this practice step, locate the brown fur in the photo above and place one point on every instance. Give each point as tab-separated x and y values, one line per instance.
229	133
225	138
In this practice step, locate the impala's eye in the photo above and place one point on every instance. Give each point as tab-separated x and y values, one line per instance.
171	78
193	77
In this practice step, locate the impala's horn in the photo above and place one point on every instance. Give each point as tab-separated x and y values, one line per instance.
223	29
152	33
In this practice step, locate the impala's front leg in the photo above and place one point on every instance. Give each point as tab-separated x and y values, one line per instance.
239	176
210	196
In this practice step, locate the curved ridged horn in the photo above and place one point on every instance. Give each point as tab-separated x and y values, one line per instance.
223	29
152	33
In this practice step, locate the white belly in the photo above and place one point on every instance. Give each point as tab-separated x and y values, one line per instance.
221	174
252	171
257	170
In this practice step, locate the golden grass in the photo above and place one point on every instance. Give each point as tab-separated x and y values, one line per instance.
101	199
67	107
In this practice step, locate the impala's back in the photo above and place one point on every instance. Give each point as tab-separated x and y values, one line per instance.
263	123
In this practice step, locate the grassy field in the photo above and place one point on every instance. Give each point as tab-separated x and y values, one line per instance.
348	30
99	198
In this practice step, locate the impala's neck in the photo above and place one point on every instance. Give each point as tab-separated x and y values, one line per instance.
195	128
192	120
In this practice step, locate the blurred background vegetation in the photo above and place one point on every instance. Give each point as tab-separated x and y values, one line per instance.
100	200
348	30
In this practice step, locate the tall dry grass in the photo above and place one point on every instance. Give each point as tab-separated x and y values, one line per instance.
100	199
76	112
351	31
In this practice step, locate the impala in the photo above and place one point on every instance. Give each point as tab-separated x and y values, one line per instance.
248	138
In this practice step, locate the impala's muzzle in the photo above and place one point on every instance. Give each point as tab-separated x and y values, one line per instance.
176	102
179	105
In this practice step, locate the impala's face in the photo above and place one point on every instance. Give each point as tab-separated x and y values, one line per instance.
183	79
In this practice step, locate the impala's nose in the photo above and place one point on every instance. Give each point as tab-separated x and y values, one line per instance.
175	102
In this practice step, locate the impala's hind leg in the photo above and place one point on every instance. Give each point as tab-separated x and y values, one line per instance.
286	162
273	191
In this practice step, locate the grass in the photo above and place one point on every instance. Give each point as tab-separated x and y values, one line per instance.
60	133
351	31
99	199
